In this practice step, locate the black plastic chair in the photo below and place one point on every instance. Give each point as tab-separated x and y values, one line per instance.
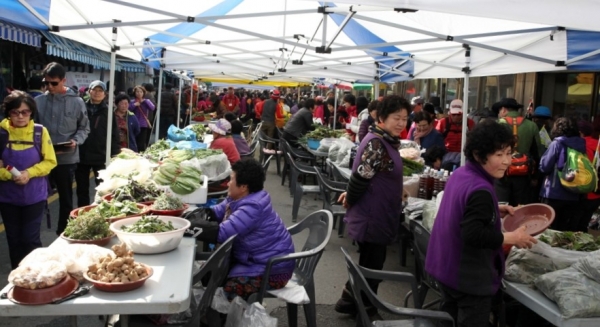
426	282
263	139
297	154
250	154
217	264
215	269
330	190
358	275
297	169
319	224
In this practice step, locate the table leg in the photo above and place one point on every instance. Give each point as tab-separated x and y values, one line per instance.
73	321
124	320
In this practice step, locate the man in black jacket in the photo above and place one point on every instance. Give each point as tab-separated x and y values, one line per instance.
168	110
92	153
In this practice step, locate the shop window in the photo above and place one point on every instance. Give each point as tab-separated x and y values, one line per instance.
433	88
473	93
451	90
579	95
506	86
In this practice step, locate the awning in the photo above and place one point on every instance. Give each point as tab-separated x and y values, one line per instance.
72	50
19	34
133	67
76	51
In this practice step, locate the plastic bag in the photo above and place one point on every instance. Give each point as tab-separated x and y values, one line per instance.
36	275
188	145
326	144
411	185
220	303
215	167
429	213
339	152
590	266
525	265
257	316
177	134
236	312
291	293
574	293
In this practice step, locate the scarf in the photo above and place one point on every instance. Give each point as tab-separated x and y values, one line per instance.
391	139
417	136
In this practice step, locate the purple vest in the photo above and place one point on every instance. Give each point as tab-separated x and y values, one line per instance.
375	218
469	270
36	189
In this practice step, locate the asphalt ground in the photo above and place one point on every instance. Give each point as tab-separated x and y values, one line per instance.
330	274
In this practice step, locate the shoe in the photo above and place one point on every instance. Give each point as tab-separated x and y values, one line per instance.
346	304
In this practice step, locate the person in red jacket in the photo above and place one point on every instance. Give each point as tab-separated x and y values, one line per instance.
592	202
451	127
232	102
223	141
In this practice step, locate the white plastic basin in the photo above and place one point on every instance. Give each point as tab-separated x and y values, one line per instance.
151	243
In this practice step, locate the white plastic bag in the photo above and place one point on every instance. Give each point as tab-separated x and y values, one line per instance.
257	316
236	312
220	303
575	295
215	167
525	265
429	213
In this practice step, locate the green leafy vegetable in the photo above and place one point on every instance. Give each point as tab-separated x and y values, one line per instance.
115	209
576	241
136	192
167	202
149	224
89	225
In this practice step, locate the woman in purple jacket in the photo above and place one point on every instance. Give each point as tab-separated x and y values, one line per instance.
261	234
465	249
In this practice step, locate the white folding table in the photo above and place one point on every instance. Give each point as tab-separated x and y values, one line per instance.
167	291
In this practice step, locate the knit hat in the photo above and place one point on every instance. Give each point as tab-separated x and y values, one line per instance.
222	126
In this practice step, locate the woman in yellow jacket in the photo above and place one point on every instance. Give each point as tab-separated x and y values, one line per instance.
26	158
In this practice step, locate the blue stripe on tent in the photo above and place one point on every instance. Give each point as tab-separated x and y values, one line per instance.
186	29
133	67
580	43
14	12
362	36
12	32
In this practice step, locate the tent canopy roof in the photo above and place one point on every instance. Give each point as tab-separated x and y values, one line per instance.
250	39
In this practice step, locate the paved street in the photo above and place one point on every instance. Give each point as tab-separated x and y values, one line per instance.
330	274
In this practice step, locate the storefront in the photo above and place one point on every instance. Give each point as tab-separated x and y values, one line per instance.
18	45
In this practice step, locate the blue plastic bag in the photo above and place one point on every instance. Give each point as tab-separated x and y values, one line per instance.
184	145
176	134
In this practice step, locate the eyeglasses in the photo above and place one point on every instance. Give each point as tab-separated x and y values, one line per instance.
17	113
53	83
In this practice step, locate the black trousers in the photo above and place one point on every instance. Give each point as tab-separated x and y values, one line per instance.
514	189
82	178
165	122
568	214
141	140
62	175
22	225
467	310
371	256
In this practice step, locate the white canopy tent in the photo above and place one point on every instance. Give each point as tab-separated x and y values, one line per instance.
299	39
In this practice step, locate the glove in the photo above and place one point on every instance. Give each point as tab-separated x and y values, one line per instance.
210	230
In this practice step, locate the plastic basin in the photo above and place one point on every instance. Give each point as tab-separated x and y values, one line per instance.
151	243
120	287
537	217
46	295
144	209
313	144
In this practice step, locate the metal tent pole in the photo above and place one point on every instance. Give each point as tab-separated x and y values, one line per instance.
335	101
111	95
179	103
465	117
160	78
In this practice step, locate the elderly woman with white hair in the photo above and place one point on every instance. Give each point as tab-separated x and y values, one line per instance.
221	131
